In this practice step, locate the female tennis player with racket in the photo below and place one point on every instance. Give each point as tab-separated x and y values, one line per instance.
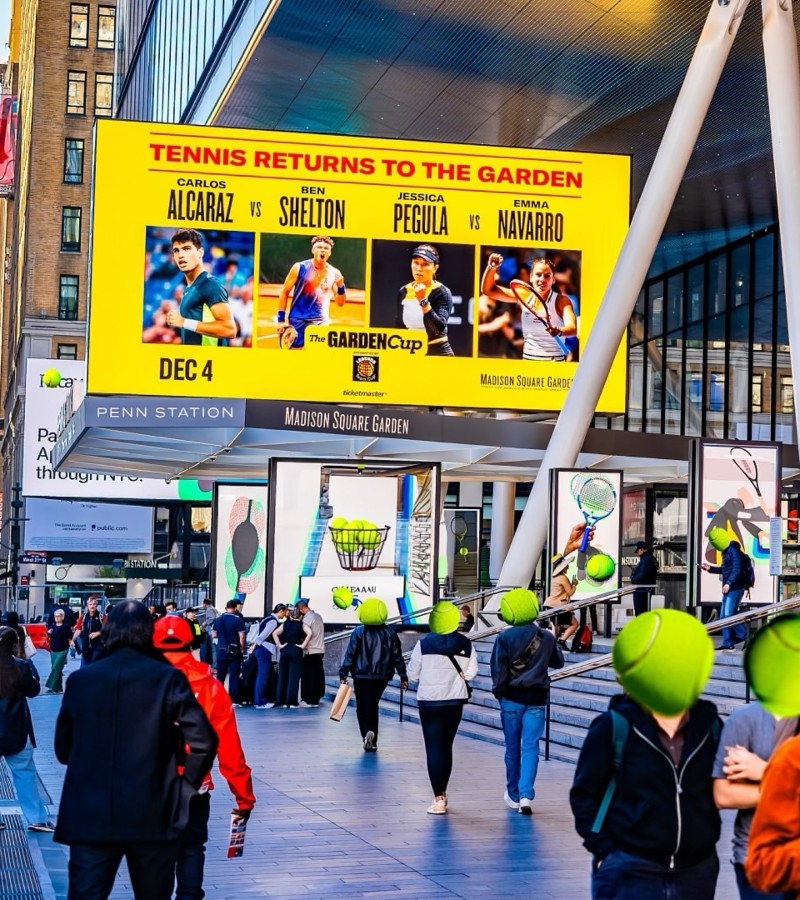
425	304
547	315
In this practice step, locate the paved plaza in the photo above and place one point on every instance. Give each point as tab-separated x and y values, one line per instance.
332	820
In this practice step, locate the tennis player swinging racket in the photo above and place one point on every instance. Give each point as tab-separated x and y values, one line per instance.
547	315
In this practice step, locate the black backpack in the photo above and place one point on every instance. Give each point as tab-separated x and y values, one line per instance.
748	575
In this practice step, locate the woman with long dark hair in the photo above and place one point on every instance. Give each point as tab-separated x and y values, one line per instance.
12	621
18	681
291	638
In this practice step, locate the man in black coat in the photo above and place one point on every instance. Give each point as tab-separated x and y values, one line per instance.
645	572
126	725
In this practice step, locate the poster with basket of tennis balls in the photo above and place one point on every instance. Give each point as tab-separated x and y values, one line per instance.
341	532
592	498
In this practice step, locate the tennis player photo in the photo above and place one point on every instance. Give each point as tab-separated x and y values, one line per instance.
197	287
424	287
529	304
318	290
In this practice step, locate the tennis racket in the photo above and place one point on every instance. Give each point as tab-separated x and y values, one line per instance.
528	297
459	527
288	337
596	500
744	462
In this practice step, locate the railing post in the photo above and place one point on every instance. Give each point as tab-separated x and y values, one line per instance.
401	701
547	726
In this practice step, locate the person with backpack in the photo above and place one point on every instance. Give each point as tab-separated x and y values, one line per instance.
521	657
736	575
265	652
642	796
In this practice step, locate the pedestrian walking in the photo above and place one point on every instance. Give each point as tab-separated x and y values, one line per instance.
60	635
372	657
442	663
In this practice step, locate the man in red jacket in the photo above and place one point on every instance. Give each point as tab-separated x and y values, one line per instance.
173	635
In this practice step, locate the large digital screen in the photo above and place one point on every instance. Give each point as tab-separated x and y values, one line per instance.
83	526
739	494
341	532
339	269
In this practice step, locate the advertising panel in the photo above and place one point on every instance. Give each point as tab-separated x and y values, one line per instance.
102	527
343	269
462	541
239	558
739	495
345	532
43	406
593	497
8	143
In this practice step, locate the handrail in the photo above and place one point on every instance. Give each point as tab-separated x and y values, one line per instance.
600	662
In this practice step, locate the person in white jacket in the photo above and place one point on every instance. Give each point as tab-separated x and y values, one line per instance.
442	663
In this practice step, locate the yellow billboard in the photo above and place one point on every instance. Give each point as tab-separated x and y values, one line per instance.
269	265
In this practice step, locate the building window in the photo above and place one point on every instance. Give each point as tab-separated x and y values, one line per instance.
71	228
68	351
73	161
67	302
787	394
78	25
76	93
103	94
106	26
757	393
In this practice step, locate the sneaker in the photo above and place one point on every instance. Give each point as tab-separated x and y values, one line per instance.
438	808
265	706
236	705
292	706
2	826
42	826
525	806
513	804
369	742
304	705
728	647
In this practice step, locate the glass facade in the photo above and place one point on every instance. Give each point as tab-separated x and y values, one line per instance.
708	348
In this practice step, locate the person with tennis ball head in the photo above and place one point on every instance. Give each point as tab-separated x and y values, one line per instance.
425	304
312	284
521	657
642	794
734	584
548	318
772	666
643	573
204	317
372	657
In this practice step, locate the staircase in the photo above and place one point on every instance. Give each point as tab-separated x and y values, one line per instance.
574	701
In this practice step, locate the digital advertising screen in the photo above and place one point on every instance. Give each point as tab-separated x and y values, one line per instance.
239	546
279	266
341	532
739	494
593	497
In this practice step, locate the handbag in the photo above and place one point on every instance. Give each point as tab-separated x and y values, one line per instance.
340	702
29	647
235	650
518	666
458	669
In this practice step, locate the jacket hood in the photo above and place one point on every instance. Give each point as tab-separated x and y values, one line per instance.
703	712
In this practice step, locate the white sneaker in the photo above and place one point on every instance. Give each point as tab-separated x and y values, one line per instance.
525	806
438	808
265	706
513	804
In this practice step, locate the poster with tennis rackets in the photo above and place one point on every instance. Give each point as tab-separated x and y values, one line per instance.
462	547
738	494
592	498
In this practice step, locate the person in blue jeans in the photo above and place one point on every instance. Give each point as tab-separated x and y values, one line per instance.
229	633
521	657
732	576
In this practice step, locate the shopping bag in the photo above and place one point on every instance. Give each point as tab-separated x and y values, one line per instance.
236	840
340	702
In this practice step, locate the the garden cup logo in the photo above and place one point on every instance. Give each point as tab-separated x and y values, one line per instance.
365	368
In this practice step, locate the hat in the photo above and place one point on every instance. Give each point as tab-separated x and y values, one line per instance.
426	252
232	604
172	633
559	564
444	618
280	607
641	545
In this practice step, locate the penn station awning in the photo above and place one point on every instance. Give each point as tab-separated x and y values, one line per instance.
157	437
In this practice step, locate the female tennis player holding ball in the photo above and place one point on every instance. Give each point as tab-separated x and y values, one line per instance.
547	315
425	304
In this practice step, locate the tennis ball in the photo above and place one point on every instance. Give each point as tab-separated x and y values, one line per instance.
444	618
464	551
51	378
663	659
719	538
600	567
348	540
369	536
772	665
338	522
519	606
372	611
342	597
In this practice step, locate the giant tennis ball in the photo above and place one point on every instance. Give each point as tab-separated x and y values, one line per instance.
51	378
600	567
342	597
719	538
663	659
372	611
519	606
772	664
444	618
